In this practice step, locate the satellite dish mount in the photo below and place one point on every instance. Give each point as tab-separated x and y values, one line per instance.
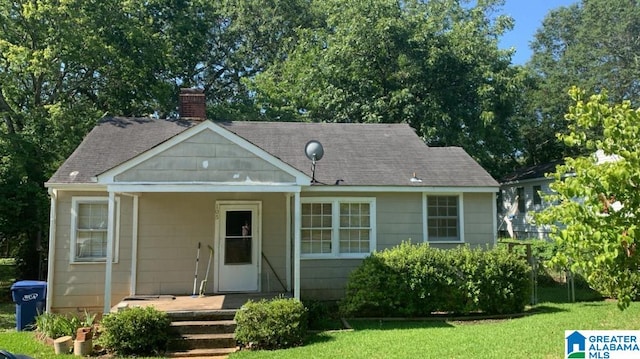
314	151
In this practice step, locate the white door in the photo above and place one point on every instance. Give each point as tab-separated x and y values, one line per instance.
238	241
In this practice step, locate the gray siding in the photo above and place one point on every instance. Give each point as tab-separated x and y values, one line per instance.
205	157
399	218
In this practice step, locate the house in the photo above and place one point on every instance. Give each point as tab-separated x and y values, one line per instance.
131	205
521	194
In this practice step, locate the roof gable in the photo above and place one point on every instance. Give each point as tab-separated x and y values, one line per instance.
204	153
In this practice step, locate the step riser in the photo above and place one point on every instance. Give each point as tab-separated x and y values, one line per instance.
205	329
187	344
202	316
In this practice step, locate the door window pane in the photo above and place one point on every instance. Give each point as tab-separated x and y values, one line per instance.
238	238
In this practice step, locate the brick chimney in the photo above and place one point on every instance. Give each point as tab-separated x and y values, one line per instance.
192	104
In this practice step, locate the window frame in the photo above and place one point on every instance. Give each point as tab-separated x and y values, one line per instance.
75	203
537	196
522	200
335	226
460	217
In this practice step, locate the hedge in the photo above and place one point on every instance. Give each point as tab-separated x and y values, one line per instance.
417	280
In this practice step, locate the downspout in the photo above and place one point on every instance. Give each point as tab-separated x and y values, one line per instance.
53	194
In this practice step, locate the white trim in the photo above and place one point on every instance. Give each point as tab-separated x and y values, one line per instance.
297	225
53	194
109	175
425	189
202	187
111	228
134	246
494	209
288	240
75	201
335	226
527	181
80	187
425	216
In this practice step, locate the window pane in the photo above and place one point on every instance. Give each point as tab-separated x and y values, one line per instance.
90	244
442	221
316	228
355	227
92	216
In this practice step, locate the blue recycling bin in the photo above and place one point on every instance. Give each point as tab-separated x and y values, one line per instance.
29	296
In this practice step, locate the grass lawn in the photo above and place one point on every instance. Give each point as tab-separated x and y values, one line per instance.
537	335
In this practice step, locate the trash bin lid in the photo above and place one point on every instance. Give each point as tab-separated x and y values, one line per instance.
29	284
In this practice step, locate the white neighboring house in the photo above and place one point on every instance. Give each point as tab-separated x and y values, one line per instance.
520	196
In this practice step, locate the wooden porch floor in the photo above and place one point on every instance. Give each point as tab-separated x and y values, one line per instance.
212	302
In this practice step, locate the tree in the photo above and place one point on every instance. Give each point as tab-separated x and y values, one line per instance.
62	65
435	65
592	44
596	236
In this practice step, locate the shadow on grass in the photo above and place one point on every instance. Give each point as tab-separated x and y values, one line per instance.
560	294
316	338
394	324
7	316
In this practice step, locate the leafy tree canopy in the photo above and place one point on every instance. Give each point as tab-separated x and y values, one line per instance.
593	44
596	200
433	64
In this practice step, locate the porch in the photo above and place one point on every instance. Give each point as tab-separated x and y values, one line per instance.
177	305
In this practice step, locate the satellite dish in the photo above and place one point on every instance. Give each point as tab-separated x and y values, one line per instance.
314	150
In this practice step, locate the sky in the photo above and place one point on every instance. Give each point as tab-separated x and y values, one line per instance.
528	16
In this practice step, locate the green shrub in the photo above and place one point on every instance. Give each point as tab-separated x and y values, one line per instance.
321	314
504	282
54	325
417	280
136	331
271	324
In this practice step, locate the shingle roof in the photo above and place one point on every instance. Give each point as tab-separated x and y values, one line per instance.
357	154
531	172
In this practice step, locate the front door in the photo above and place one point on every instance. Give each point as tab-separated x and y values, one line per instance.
238	241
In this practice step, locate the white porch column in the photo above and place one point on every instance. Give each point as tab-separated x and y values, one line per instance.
110	239
296	244
134	248
53	193
288	242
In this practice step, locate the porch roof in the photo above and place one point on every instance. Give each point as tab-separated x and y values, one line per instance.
355	154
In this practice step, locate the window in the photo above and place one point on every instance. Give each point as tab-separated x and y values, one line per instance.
443	219
89	218
316	228
537	199
342	227
521	200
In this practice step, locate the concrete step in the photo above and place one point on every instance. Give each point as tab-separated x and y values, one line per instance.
198	315
202	353
202	341
204	326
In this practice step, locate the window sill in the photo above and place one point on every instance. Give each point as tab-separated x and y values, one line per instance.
323	257
445	242
115	261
